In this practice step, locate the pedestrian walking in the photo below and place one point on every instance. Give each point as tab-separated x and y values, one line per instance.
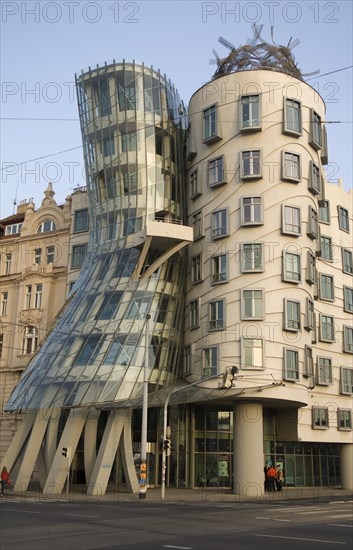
279	477
271	479
5	480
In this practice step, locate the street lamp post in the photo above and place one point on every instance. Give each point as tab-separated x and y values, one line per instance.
143	455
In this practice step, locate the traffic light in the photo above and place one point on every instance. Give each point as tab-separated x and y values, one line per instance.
230	376
167	446
65	452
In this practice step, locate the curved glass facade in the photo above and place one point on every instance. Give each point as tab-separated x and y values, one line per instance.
133	137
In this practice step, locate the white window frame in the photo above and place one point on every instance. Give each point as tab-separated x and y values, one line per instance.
292	315
313	225
218	274
4	302
344	420
13	229
348	299
216	315
289	226
255	297
28	296
324	371
50	254
292	374
38	256
326	248
343	218
347	338
46	226
8	262
347	267
255	210
314	180
219	228
324	206
251	164
320	420
216	171
326	326
292	106
289	278
250	256
254	123
29	340
210	368
197	224
194	314
315	137
38	295
323	286
346	381
196	268
291	167
253	344
210	124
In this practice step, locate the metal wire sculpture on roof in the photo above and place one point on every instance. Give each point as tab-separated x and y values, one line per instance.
258	54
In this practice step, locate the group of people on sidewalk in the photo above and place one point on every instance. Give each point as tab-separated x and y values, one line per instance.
273	478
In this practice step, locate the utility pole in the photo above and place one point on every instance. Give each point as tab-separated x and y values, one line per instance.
143	456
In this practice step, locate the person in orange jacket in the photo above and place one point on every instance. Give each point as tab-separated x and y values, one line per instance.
5	480
271	478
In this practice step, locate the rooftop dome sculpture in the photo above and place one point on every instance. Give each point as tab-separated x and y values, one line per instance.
257	53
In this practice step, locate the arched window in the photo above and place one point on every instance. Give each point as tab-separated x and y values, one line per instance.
30	339
46	226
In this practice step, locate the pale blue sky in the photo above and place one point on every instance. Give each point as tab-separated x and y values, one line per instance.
45	43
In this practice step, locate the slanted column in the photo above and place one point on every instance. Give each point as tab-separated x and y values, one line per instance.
346	463
248	450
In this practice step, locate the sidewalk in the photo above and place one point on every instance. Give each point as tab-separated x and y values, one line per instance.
172	495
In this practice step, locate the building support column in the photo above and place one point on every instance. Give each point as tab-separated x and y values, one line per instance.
59	467
90	442
14	450
31	451
346	464
248	450
127	456
51	437
103	465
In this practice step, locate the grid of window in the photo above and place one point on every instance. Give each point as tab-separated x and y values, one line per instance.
28	296
347	261
13	229
251	210
324	371
8	261
344	419
210	361
343	218
320	418
315	131
216	313
128	142
219	223
50	254
291	364
326	287
194	319
348	299
314	181
327	328
308	362
251	164
291	220
292	123
291	267
251	257
38	293
197	224
90	350
347	339
252	353
346	380
250	112
37	256
187	360
196	273
326	248
29	339
81	220
324	211
291	315
252	304
219	269
78	255
215	172
291	166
